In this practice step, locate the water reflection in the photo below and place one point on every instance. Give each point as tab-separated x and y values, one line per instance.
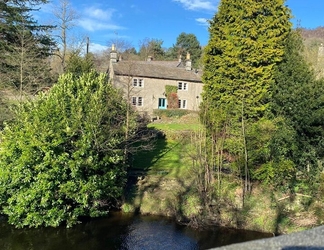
162	233
121	232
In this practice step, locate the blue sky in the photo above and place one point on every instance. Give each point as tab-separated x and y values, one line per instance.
134	20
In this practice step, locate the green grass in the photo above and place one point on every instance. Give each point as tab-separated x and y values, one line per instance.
169	156
176	126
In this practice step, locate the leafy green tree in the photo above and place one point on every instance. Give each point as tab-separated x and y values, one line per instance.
188	43
63	156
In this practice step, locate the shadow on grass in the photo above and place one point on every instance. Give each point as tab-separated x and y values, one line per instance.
142	162
156	182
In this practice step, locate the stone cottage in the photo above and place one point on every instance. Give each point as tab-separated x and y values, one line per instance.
144	82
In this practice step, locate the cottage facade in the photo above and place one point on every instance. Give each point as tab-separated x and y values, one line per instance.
144	82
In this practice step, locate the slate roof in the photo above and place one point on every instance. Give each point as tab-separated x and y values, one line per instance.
172	70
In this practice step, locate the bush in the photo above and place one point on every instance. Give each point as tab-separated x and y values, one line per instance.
170	112
62	157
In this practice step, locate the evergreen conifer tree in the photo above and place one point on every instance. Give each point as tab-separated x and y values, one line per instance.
246	41
24	47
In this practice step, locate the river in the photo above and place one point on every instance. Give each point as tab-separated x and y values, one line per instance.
120	231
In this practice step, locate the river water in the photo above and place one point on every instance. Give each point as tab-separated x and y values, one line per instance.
120	231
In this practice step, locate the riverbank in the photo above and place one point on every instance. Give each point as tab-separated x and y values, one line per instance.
167	182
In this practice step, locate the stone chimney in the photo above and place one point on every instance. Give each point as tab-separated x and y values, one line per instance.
149	58
180	58
188	62
113	54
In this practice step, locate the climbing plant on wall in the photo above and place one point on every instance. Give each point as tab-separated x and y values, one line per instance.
172	96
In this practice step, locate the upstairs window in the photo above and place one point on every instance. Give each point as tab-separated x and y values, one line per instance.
138	82
182	86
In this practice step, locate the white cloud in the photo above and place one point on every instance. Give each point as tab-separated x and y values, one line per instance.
99	14
202	21
198	4
97	48
96	19
95	25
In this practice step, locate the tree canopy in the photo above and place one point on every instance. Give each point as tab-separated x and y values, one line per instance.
246	41
151	47
297	96
187	43
24	47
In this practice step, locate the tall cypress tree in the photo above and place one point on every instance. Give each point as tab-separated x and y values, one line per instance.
246	41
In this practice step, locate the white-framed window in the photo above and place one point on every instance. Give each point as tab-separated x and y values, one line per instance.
182	86
182	104
137	101
138	82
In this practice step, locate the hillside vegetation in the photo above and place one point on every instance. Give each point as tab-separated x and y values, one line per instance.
167	181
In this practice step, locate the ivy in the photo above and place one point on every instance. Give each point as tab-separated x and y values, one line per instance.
170	89
172	96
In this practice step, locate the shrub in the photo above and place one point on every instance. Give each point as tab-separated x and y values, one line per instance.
62	156
170	112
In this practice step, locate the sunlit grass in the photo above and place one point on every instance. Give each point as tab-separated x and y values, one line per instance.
167	158
176	126
170	155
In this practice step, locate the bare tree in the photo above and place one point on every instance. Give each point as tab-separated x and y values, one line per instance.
30	63
124	48
66	17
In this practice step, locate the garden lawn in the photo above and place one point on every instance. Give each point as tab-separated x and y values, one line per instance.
170	156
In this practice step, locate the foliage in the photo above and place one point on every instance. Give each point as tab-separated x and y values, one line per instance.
24	48
297	95
173	101
151	47
171	112
5	111
246	41
78	65
62	157
170	89
271	145
172	96
187	43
